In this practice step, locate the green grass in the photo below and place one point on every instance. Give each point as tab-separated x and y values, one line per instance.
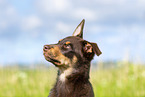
122	81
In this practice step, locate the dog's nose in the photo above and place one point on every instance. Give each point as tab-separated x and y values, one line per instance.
47	47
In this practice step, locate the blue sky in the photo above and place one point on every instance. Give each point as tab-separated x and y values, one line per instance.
117	26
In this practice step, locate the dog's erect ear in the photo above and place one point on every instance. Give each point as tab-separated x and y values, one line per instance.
79	30
96	49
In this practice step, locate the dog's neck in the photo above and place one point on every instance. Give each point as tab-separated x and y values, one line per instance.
72	74
64	73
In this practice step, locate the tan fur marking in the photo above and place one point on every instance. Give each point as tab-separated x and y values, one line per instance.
60	40
74	60
59	56
67	42
89	46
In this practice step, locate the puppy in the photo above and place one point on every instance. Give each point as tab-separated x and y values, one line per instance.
72	55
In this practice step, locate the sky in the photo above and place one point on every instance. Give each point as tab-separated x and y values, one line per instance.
117	26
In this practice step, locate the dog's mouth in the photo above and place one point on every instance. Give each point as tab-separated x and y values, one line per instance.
52	60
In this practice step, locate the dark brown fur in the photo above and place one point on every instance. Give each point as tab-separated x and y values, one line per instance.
72	55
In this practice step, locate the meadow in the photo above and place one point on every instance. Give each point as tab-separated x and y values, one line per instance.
122	80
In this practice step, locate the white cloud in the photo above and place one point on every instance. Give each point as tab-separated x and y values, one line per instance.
63	27
85	13
3	25
110	11
2	2
96	29
31	23
10	11
8	15
115	11
53	6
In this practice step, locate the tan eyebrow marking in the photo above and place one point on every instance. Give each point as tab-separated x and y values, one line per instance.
67	42
60	40
88	44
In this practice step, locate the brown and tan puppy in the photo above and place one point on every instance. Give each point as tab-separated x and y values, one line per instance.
72	55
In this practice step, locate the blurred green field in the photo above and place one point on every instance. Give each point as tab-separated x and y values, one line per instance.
122	81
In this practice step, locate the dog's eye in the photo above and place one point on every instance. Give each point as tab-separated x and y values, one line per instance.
67	46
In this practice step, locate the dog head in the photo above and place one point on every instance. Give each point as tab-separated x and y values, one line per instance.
71	50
